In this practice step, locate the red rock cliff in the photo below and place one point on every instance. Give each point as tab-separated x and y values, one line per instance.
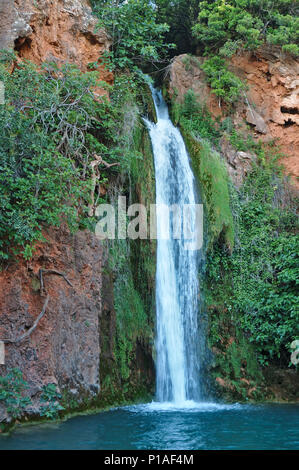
53	30
271	106
65	347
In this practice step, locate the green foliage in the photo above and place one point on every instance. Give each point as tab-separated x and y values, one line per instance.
263	268
212	175
137	37
126	97
292	49
52	124
228	25
50	404
49	129
197	119
225	84
133	266
12	392
180	15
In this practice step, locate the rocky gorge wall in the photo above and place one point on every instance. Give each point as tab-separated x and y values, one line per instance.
270	106
88	341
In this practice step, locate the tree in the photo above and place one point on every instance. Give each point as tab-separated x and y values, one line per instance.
226	25
51	125
180	15
137	37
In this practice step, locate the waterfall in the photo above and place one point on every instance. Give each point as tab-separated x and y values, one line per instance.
177	289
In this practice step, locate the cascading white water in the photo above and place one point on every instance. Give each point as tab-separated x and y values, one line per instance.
177	290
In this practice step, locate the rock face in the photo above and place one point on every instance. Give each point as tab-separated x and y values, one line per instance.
271	105
65	347
273	81
53	30
238	163
185	74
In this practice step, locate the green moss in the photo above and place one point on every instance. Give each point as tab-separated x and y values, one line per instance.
147	103
211	174
235	359
35	284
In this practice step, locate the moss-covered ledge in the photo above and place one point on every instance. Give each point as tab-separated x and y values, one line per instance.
211	175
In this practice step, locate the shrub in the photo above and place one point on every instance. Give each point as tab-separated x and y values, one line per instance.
235	24
51	125
137	37
225	84
49	400
12	392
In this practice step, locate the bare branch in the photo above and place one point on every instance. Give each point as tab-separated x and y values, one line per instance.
28	333
51	271
95	178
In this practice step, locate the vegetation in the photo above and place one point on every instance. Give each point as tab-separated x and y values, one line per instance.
221	28
49	126
132	264
50	402
227	26
261	275
75	124
13	394
52	125
132	321
137	37
196	118
251	290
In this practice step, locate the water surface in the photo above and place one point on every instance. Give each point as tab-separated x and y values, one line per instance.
166	427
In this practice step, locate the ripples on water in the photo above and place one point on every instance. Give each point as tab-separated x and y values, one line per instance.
163	426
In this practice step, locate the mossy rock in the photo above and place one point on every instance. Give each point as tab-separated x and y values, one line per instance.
211	174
